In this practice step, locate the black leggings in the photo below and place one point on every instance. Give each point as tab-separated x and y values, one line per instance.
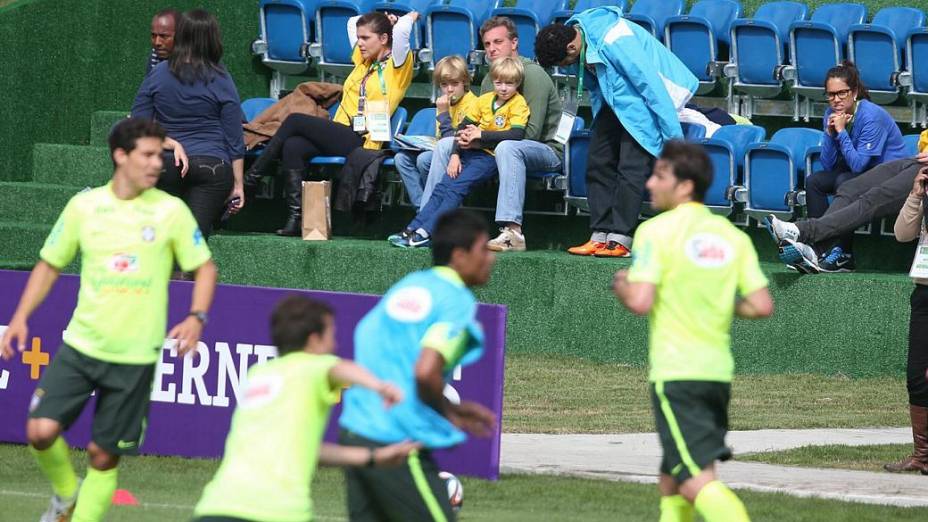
204	188
917	364
305	137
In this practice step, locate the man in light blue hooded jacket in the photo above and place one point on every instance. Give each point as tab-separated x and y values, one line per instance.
636	87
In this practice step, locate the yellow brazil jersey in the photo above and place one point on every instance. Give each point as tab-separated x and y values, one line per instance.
923	142
513	114
273	444
395	82
699	263
128	249
458	111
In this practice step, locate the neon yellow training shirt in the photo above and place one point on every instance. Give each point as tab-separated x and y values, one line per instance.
273	444
699	263
127	248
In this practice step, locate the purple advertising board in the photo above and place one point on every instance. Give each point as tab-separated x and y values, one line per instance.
193	398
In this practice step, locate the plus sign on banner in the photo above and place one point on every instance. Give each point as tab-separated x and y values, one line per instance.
193	398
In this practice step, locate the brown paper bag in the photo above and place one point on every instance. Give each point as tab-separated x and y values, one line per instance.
317	215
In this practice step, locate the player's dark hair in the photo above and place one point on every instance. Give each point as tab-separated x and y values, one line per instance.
173	14
125	134
551	44
456	229
197	47
294	319
847	72
689	162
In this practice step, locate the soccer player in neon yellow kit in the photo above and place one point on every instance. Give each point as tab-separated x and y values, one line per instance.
129	235
692	272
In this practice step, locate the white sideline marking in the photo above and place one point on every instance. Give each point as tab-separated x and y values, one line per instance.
180	507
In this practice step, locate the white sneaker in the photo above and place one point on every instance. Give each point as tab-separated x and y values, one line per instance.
59	509
508	240
781	230
799	256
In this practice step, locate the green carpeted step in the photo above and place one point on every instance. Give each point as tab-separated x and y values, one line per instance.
100	124
71	165
21	243
34	203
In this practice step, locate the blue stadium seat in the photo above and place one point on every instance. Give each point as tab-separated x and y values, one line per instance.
400	8
726	149
877	49
575	160
817	45
285	29
422	123
582	5
331	48
693	131
397	122
774	170
911	143
917	74
255	106
452	28
759	47
529	16
696	38
558	180
652	14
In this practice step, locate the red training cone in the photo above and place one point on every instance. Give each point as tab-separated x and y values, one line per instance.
123	497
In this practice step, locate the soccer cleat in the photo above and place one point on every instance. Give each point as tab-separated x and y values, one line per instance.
508	240
586	249
59	509
781	230
836	260
799	256
612	249
402	237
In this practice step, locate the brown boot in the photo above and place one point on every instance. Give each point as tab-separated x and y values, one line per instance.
918	461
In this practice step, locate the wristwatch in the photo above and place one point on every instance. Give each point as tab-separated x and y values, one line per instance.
201	316
370	460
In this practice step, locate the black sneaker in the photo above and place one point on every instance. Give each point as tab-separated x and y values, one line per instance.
836	260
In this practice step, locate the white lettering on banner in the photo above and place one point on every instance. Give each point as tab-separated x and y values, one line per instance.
193	376
227	368
162	369
4	375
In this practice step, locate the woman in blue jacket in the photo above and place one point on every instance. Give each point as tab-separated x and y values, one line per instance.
859	135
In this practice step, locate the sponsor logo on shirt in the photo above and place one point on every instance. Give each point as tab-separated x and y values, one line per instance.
197	237
148	234
124	263
709	251
409	305
500	120
261	390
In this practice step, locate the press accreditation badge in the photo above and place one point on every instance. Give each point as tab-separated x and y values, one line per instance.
920	263
359	123
378	121
564	127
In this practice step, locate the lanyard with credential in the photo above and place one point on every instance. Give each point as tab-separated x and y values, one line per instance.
566	124
582	71
383	85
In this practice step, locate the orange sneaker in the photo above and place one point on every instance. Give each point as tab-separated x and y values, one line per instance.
586	249
612	249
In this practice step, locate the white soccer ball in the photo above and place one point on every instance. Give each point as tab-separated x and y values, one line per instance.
455	490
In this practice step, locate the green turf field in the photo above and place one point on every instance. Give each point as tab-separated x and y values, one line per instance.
167	489
861	458
572	395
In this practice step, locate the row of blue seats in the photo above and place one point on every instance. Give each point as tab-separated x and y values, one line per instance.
764	176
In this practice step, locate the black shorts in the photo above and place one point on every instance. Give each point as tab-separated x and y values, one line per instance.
411	492
692	421
123	394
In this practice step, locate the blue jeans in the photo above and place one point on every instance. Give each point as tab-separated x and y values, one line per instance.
414	170
513	159
477	166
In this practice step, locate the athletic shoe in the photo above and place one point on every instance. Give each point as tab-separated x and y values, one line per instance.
416	240
402	237
586	249
800	256
60	509
837	260
508	240
781	230
612	249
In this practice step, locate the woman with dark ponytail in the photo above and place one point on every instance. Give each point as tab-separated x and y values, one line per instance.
383	70
859	135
